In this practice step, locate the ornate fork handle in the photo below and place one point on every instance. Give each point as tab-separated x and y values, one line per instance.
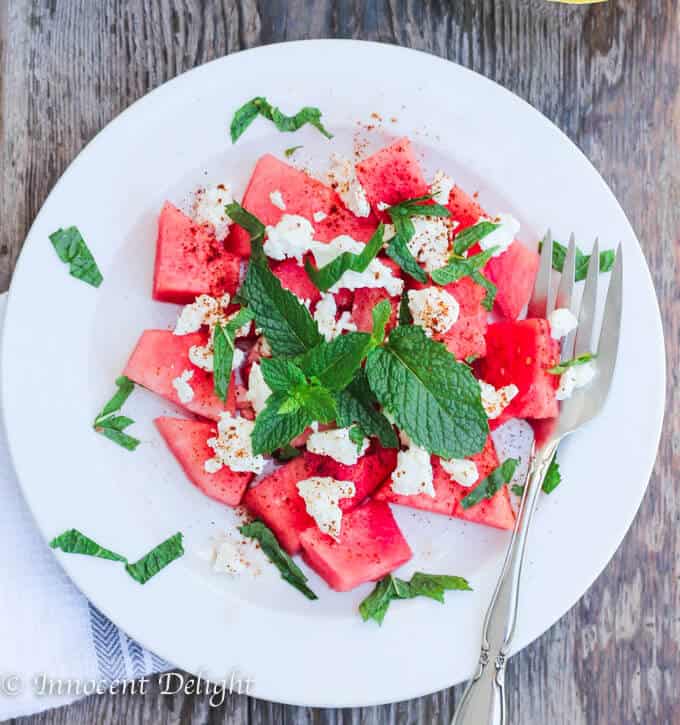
484	699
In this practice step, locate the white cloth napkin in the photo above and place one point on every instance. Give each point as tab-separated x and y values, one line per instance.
47	627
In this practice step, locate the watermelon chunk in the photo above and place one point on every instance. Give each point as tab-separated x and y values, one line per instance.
302	195
365	299
391	175
190	261
371	546
294	278
159	357
465	210
514	273
187	441
520	353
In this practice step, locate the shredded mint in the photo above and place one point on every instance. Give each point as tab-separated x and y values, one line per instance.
72	250
113	426
559	254
405	316
158	558
74	542
389	588
356	435
459	267
290	151
224	343
260	106
564	366
552	479
489	286
289	570
251	224
470	236
493	483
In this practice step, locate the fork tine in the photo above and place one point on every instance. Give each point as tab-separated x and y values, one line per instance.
538	304
565	295
586	317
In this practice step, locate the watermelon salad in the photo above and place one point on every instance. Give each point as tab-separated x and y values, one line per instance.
345	346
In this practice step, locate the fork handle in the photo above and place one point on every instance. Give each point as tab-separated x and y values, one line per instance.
483	702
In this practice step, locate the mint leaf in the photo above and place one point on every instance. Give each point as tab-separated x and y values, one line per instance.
470	236
491	484
286	453
158	558
489	286
405	316
389	588
274	429
74	542
224	343
249	111
290	151
72	250
460	267
125	387
564	366
334	363
356	435
417	206
434	398
381	316
356	404
517	489
553	477
289	570
112	426
325	277
559	254
280	374
251	224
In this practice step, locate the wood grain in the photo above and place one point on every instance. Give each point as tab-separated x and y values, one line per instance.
608	75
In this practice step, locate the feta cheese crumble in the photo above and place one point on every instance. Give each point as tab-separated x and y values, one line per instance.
322	495
430	242
185	392
319	216
462	471
343	178
441	187
562	322
382	206
276	198
258	390
208	208
325	314
228	558
495	401
434	309
336	444
291	237
413	474
502	237
204	310
232	446
573	378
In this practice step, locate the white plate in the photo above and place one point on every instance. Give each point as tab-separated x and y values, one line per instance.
66	342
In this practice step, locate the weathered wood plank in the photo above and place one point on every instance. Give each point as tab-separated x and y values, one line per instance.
607	75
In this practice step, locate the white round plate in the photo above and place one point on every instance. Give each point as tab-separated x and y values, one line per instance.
65	342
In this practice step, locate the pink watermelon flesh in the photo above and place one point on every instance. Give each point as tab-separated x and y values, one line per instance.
365	299
159	357
187	441
294	278
391	175
514	273
521	352
190	261
302	195
371	546
465	210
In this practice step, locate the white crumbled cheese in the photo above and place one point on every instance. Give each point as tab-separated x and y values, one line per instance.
389	232
204	310
238	358
562	322
291	238
322	495
441	187
325	313
343	178
336	444
430	242
495	401
258	390
382	206
434	309
208	208
228	558
462	471
413	474
185	392
276	198
232	446
319	216
502	237
573	378
202	357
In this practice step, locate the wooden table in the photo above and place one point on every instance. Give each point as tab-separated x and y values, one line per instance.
608	75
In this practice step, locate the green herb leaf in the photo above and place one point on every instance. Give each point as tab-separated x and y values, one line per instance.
74	542
418	206
224	344
287	453
289	570
290	151
405	316
470	236
274	429
72	250
434	398
328	275
356	435
317	401
574	362
117	436
381	316
491	484
460	267
281	375
251	224
553	477
434	585
112	426
249	111
125	387
559	254
517	490
158	558
334	363
489	286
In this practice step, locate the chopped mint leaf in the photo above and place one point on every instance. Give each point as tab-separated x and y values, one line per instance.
289	570
389	588
72	250
334	363
432	397
74	542
491	484
125	388
564	366
517	489
582	260
489	286
251	224
470	236
290	151
158	558
356	435
274	429
249	111
325	277
112	426
553	477
471	358
405	316
224	343
287	453
418	206
381	316
459	267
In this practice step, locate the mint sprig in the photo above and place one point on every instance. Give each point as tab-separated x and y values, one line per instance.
574	362
260	106
224	344
491	484
459	267
113	426
72	250
389	588
470	236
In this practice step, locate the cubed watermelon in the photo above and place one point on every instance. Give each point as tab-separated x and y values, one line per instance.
187	441
391	175
190	261
294	278
370	546
465	210
514	273
521	353
365	299
302	195
159	357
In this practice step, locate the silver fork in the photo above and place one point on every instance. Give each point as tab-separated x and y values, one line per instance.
483	702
